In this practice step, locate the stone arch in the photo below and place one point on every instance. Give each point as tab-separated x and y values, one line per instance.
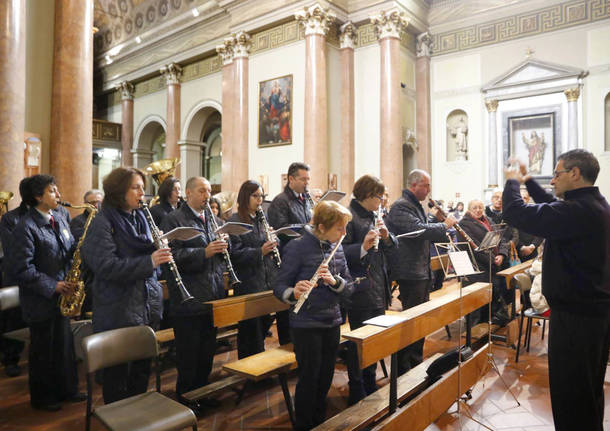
194	122
149	134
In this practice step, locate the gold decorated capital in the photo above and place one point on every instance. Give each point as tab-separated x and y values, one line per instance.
241	44
572	94
172	73
389	24
491	105
347	35
126	89
315	19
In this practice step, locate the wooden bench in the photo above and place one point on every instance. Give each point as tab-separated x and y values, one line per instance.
509	274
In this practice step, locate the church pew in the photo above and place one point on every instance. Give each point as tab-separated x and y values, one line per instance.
229	311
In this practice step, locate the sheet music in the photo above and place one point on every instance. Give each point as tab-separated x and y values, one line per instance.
461	263
386	320
182	233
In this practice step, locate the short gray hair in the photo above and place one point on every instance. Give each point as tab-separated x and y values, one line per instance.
416	176
92	192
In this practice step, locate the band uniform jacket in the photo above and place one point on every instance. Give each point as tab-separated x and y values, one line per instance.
370	273
125	287
286	209
411	260
159	212
41	257
202	277
256	272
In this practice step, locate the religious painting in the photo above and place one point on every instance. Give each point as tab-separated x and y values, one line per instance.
532	141
275	112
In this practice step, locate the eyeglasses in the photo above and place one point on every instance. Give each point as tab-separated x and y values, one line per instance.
258	195
557	173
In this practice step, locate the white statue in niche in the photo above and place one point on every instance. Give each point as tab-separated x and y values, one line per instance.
459	133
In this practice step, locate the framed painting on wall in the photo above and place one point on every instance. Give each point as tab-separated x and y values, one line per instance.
275	112
532	140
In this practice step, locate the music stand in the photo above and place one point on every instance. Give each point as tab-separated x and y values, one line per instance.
461	263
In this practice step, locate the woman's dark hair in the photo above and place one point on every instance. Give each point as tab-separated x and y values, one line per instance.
458	205
166	188
117	183
217	202
23	207
34	186
368	186
243	199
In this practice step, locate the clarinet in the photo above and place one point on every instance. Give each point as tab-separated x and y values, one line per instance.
309	199
156	234
443	216
269	236
232	276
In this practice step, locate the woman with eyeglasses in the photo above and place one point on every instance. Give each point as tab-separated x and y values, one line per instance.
120	251
253	261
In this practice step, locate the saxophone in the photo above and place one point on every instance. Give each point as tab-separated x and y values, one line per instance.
70	305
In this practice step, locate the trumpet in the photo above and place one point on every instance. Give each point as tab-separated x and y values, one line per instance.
156	234
232	276
316	276
269	236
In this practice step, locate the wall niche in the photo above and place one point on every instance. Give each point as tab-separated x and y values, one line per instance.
457	136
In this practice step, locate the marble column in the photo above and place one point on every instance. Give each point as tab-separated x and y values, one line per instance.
572	95
172	73
316	20
422	115
347	38
126	89
191	154
239	162
12	103
388	27
72	104
225	51
492	161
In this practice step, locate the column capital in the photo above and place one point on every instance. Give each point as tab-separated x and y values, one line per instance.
241	45
389	24
572	94
315	19
225	51
126	88
347	35
424	45
172	73
491	105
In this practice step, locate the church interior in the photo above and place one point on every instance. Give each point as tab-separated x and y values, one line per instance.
239	89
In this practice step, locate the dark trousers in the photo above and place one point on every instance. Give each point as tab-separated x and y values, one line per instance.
251	336
283	327
316	351
10	350
412	293
126	380
195	348
578	356
52	364
362	382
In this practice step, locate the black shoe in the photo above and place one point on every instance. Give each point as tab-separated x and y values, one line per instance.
211	403
48	407
77	397
12	370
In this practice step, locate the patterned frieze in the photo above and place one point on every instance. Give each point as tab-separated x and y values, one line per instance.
390	23
172	73
315	19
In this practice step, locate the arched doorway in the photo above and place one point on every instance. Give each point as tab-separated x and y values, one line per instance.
149	145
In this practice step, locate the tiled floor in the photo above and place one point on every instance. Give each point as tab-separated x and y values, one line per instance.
263	406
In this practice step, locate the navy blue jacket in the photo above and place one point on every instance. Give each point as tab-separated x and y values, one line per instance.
202	277
40	258
411	261
77	225
256	272
159	212
286	209
125	287
8	222
301	259
372	291
576	262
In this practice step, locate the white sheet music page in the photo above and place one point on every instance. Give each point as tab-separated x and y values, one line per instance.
386	320
461	263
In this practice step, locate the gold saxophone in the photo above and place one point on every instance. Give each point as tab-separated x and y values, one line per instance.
70	305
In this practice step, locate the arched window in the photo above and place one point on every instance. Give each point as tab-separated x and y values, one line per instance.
457	135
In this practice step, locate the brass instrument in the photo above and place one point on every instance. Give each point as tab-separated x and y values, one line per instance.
443	215
227	200
160	171
269	236
70	305
316	276
156	234
4	198
232	276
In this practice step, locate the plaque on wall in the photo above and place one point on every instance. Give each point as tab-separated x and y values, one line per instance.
275	112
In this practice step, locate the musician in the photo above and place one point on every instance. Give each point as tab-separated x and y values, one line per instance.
410	264
368	266
315	329
10	320
41	257
215	207
575	282
201	264
119	249
169	199
288	208
476	225
77	225
254	264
